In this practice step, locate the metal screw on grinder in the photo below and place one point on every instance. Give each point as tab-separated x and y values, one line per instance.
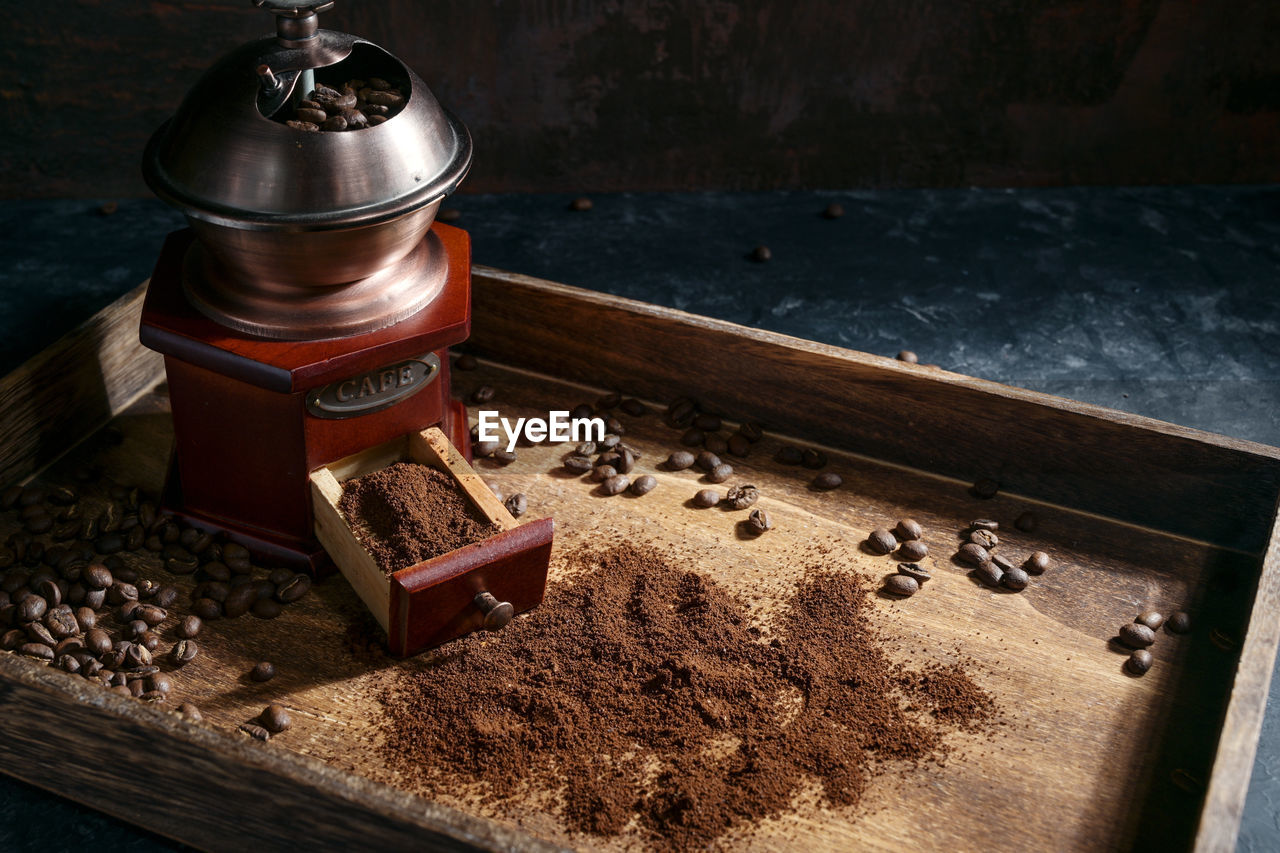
496	613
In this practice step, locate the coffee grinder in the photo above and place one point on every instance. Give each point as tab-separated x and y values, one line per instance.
306	312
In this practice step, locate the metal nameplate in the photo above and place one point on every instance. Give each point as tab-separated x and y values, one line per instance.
374	390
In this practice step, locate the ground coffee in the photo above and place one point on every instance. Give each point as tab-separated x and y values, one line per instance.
407	513
641	691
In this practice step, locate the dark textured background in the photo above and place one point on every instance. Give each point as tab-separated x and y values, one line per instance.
677	94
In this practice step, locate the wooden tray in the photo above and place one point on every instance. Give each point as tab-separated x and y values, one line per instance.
1135	513
431	602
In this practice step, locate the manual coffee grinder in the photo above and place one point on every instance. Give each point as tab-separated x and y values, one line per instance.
306	312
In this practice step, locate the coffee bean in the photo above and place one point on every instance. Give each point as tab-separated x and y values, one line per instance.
38	633
274	718
41	523
609	401
137	655
814	459
973	555
615	484
39	651
707	460
913	551
908	529
191	712
738	445
789	455
1036	563
1139	662
609	442
578	464
758	522
150	614
182	565
517	505
66	663
1153	619
97	641
1015	578
1136	636
160	683
504	457
635	408
207	609
914	570
989	573
901	585
13	638
255	731
706	498
150	639
680	460
760	254
985	538
985	489
483	394
741	497
61	622
603	472
262	671
984	524
720	473
626	460
881	541
1178	623
86	618
189	627
643	485
581	204
1002	563
615	426
908	356
466	361
31	608
680	413
1027	522
293	589
485	449
827	480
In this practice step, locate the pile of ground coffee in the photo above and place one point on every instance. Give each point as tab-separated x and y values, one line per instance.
642	691
407	513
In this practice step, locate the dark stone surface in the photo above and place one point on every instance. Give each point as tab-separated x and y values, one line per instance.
1161	302
662	95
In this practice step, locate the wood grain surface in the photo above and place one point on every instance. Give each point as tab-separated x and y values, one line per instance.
1087	757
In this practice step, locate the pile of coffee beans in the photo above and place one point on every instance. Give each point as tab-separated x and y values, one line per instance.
354	105
70	599
1140	634
905	543
995	570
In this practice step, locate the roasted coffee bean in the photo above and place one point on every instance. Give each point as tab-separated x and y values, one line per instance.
741	497
751	431
587	448
908	529
146	588
580	411
789	455
149	639
31	608
262	671
39	651
208	609
159	682
901	585
255	731
37	524
183	652
466	361
609	442
238	601
38	633
615	484
985	538
761	254
504	457
109	543
738	445
12	638
334	123
989	573
191	712
137	655
9	498
86	618
913	551
1002	563
1178	623
150	614
707	422
635	408
603	472
1036	563
578	464
308	116
973	555
61	622
614	426
644	484
125	611
914	570
485	449
716	444
814	459
827	480
1153	619
720	473
985	489
758	521
189	627
1015	578
680	460
1139	662
517	505
1136	636
626	460
907	356
154	544
483	394
881	541
134	629
707	460
66	663
984	524
706	498
216	571
97	641
693	437
1027	522
274	718
120	592
293	589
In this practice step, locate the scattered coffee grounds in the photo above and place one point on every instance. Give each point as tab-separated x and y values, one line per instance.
407	513
642	691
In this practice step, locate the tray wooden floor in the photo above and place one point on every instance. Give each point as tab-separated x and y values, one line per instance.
1134	514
